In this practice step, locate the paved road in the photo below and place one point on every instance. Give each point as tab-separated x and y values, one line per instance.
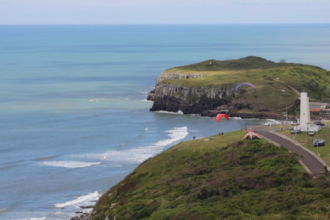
313	164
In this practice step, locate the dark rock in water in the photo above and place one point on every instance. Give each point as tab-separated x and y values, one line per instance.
83	216
87	207
151	96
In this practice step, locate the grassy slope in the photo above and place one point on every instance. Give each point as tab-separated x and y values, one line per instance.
270	79
218	180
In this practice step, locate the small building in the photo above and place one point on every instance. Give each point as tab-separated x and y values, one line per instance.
319	108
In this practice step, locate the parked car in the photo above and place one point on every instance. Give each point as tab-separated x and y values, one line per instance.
311	133
319	123
318	142
295	131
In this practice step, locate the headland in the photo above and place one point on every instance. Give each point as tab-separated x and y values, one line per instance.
208	87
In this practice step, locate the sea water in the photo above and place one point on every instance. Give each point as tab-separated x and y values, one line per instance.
74	119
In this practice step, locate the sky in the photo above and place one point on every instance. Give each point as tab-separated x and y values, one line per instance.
164	11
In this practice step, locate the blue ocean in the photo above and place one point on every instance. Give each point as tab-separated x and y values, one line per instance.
74	119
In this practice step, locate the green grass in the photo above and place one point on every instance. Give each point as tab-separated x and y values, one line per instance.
324	134
222	178
274	81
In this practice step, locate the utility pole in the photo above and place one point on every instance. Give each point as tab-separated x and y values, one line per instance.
286	107
286	115
308	123
317	145
296	122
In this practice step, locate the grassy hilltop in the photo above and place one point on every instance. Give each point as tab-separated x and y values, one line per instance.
278	84
218	178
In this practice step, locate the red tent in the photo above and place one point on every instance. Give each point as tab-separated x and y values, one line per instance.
250	134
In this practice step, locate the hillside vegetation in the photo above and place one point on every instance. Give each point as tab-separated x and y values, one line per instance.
218	178
278	84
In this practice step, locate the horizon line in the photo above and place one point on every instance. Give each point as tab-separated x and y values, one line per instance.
175	24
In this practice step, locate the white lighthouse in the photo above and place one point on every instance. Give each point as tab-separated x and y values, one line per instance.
305	118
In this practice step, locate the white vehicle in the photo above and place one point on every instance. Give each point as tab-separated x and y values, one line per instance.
298	131
311	133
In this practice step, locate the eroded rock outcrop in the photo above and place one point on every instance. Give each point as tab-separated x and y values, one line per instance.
189	100
206	101
195	100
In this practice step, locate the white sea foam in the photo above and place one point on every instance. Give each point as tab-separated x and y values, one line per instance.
199	116
32	218
236	118
81	201
145	100
166	112
274	121
143	92
96	100
140	154
69	164
252	119
36	218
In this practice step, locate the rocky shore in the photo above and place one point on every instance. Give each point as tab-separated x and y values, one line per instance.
81	216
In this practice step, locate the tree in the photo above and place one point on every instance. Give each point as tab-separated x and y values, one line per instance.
282	60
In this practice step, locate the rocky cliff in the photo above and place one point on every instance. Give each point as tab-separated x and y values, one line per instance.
173	98
206	101
168	97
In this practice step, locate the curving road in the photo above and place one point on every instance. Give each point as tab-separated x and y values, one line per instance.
310	161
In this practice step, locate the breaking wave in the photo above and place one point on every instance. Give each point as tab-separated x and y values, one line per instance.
81	201
140	154
70	164
166	112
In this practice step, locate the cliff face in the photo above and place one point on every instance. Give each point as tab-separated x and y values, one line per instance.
168	97
195	100
206	101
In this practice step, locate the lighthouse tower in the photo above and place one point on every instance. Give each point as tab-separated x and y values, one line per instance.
305	118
